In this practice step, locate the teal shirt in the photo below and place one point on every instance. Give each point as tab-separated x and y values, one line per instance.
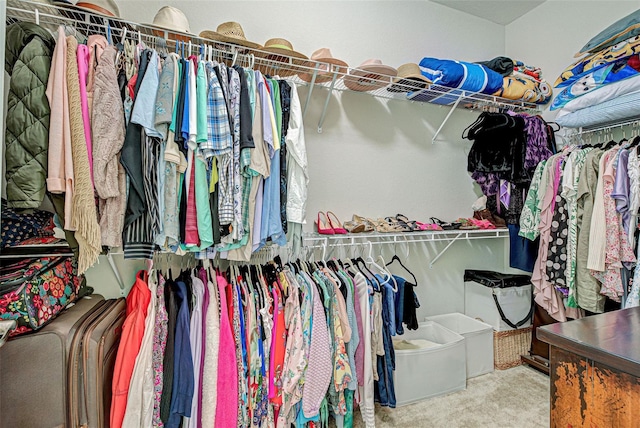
201	103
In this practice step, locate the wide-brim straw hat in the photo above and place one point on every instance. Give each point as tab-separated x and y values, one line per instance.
281	47
230	32
279	58
409	79
171	18
372	74
325	64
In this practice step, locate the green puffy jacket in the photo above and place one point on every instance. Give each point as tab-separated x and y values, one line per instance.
27	60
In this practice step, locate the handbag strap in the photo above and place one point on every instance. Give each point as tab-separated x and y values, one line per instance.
504	317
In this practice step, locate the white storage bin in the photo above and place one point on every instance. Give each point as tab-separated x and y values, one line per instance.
514	301
478	339
431	371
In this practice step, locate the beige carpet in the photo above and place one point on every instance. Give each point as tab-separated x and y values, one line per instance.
514	398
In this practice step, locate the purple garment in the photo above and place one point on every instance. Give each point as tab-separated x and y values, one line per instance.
537	141
195	338
489	182
505	193
556	180
621	188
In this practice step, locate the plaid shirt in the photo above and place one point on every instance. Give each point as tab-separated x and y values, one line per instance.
220	140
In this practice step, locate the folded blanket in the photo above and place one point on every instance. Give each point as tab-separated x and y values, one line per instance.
520	86
614	72
622	50
461	75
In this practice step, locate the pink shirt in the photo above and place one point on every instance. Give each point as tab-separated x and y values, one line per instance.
83	71
227	402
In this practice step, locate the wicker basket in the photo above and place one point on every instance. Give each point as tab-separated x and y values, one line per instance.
509	345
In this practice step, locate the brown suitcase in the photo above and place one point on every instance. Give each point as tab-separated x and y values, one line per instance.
33	370
91	361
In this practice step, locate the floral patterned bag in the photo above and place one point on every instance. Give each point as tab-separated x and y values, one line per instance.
33	292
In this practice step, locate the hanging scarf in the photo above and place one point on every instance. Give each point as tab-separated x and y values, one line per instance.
84	209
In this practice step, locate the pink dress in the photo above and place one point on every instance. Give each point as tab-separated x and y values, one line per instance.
227	402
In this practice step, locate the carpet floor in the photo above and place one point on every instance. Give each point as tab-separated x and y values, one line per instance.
514	398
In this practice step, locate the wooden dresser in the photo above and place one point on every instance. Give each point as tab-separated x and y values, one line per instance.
595	370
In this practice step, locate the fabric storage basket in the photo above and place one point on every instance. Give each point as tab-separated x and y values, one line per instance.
502	300
429	371
478	339
509	346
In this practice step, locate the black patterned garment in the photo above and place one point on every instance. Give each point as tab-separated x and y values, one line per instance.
557	256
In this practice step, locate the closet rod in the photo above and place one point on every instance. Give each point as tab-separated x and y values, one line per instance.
610	126
324	242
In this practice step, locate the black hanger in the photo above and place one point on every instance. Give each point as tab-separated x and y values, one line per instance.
635	142
551	125
278	262
609	145
396	258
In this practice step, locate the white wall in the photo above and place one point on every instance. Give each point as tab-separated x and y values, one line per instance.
551	34
374	157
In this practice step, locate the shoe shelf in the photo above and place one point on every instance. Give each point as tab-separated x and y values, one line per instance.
316	241
289	67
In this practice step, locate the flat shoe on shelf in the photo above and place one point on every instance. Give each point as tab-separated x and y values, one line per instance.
354	227
368	226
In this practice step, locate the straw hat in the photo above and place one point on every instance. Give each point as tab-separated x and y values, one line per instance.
171	18
409	79
99	7
281	47
369	75
229	32
328	64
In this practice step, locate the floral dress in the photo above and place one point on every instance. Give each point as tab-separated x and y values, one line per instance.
618	249
159	345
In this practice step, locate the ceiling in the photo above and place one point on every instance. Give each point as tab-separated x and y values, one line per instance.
498	11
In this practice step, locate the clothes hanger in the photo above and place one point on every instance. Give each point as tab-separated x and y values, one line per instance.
389	277
396	258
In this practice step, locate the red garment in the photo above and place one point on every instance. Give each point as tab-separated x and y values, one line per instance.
191	222
132	332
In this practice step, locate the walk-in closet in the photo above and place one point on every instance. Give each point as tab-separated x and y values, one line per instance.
319	214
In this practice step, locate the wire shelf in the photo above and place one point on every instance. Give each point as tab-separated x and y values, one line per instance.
315	241
318	74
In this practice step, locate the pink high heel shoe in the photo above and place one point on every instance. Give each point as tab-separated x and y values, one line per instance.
324	227
337	227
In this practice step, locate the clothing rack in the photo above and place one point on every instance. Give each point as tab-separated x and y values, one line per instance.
635	123
324	242
50	16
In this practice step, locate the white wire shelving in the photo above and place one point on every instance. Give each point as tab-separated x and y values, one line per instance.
315	241
52	16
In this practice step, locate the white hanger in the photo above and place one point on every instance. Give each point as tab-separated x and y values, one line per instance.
387	277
